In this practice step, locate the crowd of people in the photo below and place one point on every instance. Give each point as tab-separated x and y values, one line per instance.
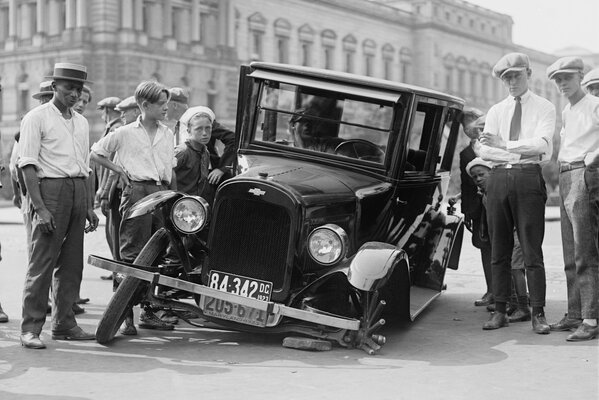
153	140
503	195
59	180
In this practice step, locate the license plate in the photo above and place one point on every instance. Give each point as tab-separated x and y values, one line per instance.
240	285
234	312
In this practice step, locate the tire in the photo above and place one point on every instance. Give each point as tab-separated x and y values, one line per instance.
130	290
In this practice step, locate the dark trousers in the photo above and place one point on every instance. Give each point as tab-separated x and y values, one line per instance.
113	224
56	259
516	199
135	232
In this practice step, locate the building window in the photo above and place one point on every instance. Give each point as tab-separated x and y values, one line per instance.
23	94
369	50
473	84
349	53
405	60
257	27
282	49
306	54
368	61
306	38
329	41
388	53
282	34
449	80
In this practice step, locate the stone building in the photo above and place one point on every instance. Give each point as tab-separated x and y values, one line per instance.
448	45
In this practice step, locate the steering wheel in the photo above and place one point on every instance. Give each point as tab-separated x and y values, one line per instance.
360	149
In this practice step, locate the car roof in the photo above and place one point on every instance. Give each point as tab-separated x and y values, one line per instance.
353	79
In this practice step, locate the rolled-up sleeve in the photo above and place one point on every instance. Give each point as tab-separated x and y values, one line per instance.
539	143
30	141
108	144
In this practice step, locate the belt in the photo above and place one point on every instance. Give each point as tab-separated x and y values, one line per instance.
65	177
565	166
149	182
518	166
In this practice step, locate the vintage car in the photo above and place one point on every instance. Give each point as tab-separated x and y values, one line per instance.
334	217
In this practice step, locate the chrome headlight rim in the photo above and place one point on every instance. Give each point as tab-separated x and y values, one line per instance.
341	236
203	204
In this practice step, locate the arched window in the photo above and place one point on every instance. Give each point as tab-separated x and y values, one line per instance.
306	39
388	56
349	53
405	60
369	50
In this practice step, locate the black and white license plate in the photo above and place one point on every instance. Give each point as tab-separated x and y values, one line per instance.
240	285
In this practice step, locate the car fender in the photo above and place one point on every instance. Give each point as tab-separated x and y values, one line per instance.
373	264
152	202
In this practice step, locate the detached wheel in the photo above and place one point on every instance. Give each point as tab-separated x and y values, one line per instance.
130	289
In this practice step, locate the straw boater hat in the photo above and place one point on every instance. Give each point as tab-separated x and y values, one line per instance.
69	72
45	90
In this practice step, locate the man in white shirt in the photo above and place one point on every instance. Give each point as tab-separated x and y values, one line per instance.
579	199
517	138
54	158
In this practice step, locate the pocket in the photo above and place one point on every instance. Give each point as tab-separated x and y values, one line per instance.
50	191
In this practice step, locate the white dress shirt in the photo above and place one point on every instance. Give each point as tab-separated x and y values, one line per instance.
141	159
580	129
535	143
57	147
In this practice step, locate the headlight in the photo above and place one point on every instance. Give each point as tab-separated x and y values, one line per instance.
190	214
327	244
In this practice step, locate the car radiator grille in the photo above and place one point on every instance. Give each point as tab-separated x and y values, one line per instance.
251	238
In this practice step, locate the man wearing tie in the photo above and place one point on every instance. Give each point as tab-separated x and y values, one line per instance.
517	138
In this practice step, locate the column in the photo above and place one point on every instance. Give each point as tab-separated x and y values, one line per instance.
12	18
26	20
223	22
167	15
81	13
127	14
41	16
138	13
195	21
53	18
70	12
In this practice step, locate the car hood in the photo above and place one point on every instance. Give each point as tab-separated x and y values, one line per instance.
309	181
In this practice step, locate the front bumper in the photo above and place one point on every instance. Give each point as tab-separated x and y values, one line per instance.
275	311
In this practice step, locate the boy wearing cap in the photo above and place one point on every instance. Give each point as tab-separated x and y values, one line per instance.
144	164
517	138
579	195
54	151
591	82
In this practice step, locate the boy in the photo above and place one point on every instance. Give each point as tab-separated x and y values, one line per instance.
193	158
579	199
591	82
144	165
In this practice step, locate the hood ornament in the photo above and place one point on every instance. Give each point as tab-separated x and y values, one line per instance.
257	192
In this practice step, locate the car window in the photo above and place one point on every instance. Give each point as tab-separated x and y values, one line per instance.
422	136
324	122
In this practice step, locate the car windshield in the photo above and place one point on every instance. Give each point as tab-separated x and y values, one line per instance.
324	122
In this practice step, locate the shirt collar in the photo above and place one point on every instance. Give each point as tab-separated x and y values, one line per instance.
198	147
523	98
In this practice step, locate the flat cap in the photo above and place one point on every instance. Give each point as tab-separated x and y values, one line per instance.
45	90
127	104
591	78
478	162
179	95
108	102
567	65
511	62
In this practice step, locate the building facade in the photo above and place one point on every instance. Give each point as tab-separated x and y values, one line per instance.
447	45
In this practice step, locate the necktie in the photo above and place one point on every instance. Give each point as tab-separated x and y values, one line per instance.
516	120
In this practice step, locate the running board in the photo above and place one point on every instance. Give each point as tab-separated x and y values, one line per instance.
420	298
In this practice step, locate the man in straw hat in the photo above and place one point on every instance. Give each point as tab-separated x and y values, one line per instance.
54	153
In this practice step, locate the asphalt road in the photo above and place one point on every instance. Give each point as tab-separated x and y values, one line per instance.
444	354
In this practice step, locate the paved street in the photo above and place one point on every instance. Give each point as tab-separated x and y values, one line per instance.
443	355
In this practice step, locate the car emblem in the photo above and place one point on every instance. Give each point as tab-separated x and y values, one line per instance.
257	192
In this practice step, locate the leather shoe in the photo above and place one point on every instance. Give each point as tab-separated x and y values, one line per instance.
584	332
82	301
491	307
3	316
75	333
485	300
520	315
128	328
539	324
31	340
566	323
497	320
77	309
168	316
149	320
